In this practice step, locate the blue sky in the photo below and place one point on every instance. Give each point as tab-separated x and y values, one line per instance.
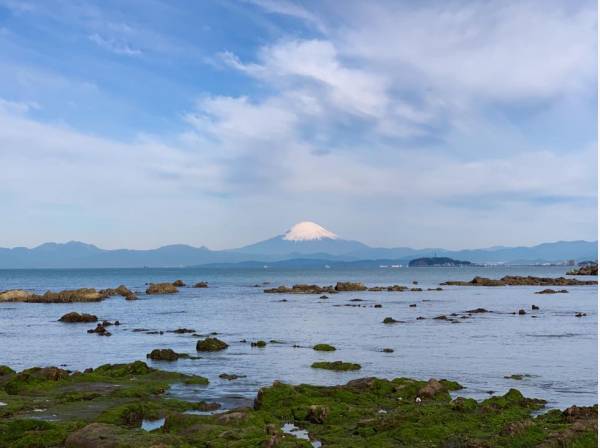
426	124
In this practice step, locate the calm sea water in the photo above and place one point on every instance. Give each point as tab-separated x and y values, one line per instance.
557	349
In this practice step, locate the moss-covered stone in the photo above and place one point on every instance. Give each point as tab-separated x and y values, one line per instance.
211	345
324	348
259	344
336	365
104	407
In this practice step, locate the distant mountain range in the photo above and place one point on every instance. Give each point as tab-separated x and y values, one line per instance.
305	244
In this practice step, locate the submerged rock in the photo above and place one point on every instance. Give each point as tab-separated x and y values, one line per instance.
552	291
259	344
336	365
74	317
161	288
391	320
100	330
211	345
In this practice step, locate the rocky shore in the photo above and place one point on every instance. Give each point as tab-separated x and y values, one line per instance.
106	407
515	280
589	269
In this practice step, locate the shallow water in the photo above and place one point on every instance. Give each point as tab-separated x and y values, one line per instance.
557	349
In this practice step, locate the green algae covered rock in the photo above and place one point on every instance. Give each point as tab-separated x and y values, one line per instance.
324	348
336	365
211	345
104	408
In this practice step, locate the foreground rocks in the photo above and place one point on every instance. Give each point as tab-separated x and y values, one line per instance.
552	291
513	280
106	406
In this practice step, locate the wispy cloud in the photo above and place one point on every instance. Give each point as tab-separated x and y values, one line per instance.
115	46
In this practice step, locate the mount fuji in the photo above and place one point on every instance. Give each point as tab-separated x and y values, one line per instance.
304	238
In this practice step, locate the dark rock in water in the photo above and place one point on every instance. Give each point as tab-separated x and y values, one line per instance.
259	344
378	305
302	289
477	311
336	365
161	288
324	297
435	289
75	317
349	286
100	330
388	350
522	312
580	314
165	354
441	317
356	300
182	331
517	376
552	291
390	320
416	289
535	307
178	283
211	345
413	305
228	377
324	348
420	318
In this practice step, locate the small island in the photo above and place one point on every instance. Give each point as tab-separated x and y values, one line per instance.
437	262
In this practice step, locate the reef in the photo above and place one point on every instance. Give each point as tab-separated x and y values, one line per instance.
105	407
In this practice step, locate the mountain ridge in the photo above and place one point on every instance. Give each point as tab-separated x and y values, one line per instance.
75	254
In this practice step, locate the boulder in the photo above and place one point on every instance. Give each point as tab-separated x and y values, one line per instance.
202	285
164	354
178	283
97	435
14	295
161	288
74	317
432	387
317	414
211	345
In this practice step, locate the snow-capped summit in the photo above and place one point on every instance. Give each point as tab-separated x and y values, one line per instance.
308	231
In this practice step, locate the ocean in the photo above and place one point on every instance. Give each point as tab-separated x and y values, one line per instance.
556	350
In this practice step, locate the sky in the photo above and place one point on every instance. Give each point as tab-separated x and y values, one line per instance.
140	123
